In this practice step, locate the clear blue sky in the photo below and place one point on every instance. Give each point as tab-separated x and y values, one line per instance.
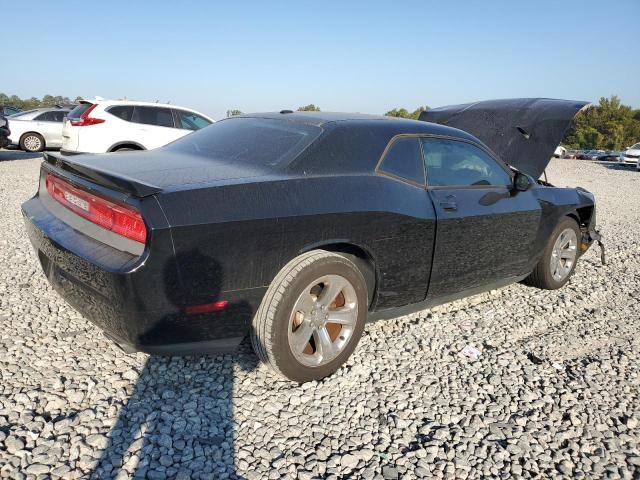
364	56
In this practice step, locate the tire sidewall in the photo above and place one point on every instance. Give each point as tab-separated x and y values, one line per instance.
39	137
548	274
284	358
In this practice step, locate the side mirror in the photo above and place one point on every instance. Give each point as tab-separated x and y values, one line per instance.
521	182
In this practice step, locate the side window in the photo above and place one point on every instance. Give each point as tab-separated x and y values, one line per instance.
190	120
59	116
404	160
45	117
460	164
123	112
159	116
11	110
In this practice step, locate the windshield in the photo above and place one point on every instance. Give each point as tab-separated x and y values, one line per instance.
635	147
251	141
20	114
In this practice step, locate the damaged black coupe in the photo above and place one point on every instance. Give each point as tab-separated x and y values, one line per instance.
295	228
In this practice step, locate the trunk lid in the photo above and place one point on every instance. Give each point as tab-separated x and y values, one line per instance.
523	132
145	173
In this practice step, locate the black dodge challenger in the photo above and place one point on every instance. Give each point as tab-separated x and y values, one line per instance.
295	228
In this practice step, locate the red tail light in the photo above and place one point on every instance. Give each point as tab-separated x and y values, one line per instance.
120	219
206	307
85	120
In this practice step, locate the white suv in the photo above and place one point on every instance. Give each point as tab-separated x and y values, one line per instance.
110	125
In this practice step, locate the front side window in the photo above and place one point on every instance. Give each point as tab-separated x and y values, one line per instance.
159	116
404	160
454	163
190	120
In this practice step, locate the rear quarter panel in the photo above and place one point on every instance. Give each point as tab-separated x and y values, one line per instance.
237	237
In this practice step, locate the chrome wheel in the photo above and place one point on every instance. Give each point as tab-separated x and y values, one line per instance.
323	320
32	143
563	255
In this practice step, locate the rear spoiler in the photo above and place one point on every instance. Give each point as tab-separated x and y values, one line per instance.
102	176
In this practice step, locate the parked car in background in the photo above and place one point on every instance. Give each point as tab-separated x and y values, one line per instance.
295	228
631	155
588	154
559	152
4	132
102	126
570	154
37	129
6	110
608	156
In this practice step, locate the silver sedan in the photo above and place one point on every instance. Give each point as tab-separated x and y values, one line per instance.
35	130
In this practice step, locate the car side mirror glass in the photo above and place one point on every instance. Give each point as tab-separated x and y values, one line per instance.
521	182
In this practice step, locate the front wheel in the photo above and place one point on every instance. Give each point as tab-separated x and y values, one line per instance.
559	257
311	317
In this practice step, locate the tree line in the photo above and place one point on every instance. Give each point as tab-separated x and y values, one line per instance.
34	102
608	125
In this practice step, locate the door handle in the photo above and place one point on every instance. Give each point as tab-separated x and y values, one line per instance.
449	203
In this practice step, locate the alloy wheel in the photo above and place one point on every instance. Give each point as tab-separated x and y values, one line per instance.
563	255
323	320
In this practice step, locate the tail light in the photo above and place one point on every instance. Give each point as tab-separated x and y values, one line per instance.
121	219
85	120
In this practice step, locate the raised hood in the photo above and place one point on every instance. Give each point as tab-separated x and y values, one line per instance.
145	173
523	132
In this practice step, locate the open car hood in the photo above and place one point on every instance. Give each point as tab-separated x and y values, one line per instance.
523	132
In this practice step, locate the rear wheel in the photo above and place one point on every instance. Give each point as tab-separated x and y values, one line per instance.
311	317
125	149
32	142
559	258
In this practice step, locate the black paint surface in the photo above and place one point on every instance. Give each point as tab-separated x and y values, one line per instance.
220	230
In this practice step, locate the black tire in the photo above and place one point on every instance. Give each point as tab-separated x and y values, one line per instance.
541	276
28	140
271	324
126	149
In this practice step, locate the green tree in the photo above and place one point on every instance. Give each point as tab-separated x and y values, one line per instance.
309	108
404	113
231	113
609	125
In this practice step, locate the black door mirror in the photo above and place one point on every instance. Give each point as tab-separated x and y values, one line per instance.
521	182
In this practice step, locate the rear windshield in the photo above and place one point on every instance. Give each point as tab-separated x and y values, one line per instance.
250	141
78	111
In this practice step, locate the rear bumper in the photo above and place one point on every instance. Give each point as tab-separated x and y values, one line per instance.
134	300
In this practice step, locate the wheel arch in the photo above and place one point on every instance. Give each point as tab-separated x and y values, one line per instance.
126	144
359	255
33	132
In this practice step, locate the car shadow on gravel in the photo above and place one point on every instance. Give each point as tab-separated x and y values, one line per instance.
618	166
9	155
178	422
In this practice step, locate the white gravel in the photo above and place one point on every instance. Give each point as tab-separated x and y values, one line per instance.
555	392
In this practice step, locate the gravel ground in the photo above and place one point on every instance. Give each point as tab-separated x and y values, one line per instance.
555	392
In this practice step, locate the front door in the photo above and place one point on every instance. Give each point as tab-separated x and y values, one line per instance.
484	230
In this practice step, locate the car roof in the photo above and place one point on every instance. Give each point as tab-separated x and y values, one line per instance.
109	103
29	114
398	125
